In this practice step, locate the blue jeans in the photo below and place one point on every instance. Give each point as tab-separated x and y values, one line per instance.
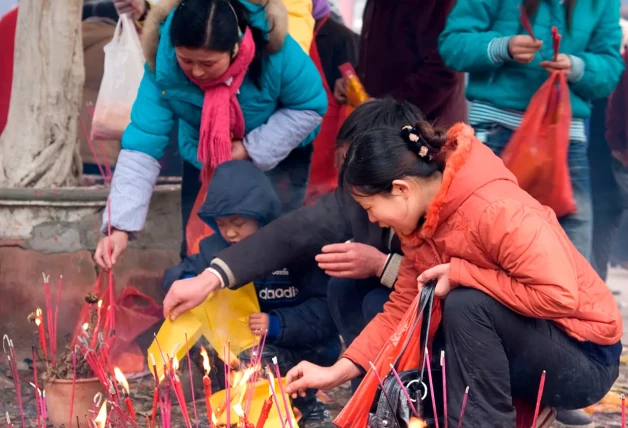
578	226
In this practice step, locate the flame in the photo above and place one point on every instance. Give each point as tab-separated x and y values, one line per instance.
237	408
86	326
99	304
37	322
206	365
121	380
175	364
101	419
242	377
417	423
214	419
38	312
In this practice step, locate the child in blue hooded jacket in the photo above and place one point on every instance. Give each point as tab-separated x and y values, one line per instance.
293	301
507	66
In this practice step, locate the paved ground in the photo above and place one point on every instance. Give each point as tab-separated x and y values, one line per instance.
607	417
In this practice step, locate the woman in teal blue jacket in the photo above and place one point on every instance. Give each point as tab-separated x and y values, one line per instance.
236	86
506	67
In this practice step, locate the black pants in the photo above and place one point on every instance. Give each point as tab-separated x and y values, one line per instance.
500	354
353	303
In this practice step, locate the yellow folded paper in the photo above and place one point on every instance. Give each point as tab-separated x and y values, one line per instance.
222	318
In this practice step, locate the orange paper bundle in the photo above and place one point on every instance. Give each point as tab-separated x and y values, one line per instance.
356	94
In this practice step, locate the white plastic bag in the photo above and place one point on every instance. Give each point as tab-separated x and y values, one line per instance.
123	71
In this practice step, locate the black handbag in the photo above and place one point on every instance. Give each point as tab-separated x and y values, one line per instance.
391	409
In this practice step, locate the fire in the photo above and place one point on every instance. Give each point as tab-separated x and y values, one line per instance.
37	321
38	312
242	377
206	365
214	419
86	326
121	380
237	408
101	419
99	304
175	364
417	423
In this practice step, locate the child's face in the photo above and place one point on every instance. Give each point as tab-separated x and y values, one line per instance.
235	228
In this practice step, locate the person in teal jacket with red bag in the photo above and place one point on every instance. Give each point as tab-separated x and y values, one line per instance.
506	66
237	86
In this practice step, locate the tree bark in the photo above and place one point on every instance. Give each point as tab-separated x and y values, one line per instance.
39	146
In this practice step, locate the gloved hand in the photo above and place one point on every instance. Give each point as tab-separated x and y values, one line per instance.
135	8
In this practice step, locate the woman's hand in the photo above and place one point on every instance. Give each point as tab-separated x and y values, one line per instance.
306	375
238	151
352	260
523	48
186	294
439	273
562	64
340	90
136	8
118	241
258	322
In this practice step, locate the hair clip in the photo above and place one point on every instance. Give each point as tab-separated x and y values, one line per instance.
415	142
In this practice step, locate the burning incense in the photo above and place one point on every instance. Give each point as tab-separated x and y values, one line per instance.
538	399
271	385
444	373
268	404
97	326
623	410
14	372
9	424
227	365
464	406
49	314
381	386
73	386
125	388
257	366
187	355
404	390
53	339
283	393
207	386
429	376
155	393
178	391
42	332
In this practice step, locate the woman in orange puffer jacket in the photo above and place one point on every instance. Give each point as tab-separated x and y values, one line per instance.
516	296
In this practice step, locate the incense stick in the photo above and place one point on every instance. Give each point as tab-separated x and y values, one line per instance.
187	354
464	406
404	390
444	373
73	386
283	393
429	376
538	399
271	384
381	386
53	339
623	410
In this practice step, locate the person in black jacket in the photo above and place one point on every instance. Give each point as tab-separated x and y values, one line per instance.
293	299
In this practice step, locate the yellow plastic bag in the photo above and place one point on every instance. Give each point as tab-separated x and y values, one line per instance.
222	318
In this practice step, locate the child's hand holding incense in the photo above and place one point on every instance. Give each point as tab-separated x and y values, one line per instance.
187	294
562	64
306	375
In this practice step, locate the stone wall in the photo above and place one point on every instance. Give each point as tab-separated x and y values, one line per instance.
61	237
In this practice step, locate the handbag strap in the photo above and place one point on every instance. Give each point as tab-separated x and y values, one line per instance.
426	301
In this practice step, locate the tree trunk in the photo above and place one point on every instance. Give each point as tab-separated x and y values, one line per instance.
39	147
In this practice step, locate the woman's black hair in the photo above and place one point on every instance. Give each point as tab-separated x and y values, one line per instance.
379	113
217	25
378	157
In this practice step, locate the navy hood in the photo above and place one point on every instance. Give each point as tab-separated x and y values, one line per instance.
239	187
